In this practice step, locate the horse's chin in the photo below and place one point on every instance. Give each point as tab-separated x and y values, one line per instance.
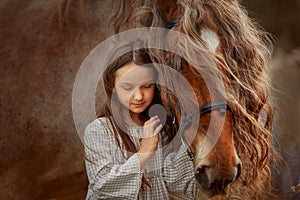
213	191
216	192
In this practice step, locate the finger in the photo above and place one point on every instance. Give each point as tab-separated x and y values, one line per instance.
150	127
148	131
151	120
158	129
154	122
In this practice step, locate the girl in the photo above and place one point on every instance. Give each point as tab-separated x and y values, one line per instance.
124	146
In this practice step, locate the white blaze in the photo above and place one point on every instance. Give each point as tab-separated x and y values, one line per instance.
211	39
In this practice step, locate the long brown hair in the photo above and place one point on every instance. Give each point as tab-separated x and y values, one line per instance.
138	57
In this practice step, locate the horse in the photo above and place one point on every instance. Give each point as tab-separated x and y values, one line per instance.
223	32
42	47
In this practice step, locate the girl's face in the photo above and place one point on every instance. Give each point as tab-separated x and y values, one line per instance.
134	86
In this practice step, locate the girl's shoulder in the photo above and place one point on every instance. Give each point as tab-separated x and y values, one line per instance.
102	122
100	126
99	135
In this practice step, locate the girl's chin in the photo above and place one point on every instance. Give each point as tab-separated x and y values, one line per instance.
136	111
137	108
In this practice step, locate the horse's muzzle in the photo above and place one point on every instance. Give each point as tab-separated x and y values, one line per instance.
214	181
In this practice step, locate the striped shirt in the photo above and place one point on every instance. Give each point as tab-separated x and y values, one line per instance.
113	176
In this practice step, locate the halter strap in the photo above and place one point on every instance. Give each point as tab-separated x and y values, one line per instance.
219	105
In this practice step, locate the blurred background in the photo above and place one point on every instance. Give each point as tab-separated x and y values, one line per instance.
282	19
41	155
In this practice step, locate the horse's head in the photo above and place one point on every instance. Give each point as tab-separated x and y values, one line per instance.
217	164
212	147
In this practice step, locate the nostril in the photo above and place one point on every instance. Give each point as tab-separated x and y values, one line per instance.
227	182
220	185
202	177
239	171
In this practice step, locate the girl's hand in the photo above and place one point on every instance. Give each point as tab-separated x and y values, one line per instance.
149	140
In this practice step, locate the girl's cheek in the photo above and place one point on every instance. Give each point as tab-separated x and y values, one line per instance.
151	94
127	98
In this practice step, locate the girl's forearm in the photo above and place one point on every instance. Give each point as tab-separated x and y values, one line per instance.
144	157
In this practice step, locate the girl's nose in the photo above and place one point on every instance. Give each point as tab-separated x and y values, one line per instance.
138	95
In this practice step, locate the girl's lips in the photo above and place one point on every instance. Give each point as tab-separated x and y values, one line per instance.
138	104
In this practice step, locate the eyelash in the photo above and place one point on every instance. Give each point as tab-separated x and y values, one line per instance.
127	88
144	86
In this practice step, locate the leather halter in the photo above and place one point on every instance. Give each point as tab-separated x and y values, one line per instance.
205	109
186	118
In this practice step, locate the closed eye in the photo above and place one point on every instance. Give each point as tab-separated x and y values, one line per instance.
127	88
